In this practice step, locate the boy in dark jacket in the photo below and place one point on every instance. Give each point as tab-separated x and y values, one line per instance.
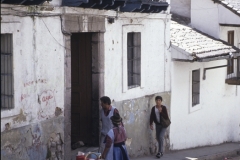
157	111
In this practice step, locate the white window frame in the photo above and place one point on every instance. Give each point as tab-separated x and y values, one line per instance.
126	29
198	106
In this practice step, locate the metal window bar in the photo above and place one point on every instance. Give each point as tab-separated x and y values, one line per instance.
6	72
230	68
134	59
238	67
195	87
235	74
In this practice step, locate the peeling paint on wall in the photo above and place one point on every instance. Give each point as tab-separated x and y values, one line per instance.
7	126
36	141
55	147
136	113
20	118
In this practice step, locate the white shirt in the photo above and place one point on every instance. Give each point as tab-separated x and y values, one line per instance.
106	121
157	114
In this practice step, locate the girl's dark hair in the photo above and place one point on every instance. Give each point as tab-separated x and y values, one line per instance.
158	97
105	100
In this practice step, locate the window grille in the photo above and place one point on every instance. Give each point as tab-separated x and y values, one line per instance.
238	67
195	87
134	59
230	68
6	72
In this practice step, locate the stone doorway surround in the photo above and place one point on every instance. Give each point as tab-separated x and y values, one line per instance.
75	24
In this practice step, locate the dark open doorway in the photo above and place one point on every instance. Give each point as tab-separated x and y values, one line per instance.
84	110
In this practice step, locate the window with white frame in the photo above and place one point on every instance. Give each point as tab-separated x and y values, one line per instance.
6	72
195	87
134	59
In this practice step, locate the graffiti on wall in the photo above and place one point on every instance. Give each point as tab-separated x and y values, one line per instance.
30	83
29	144
47	102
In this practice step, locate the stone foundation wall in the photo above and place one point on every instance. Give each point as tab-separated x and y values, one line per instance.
38	141
136	114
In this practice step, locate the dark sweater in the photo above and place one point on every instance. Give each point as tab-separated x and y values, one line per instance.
153	117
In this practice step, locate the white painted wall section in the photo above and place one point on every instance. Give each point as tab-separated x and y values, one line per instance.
226	16
153	57
181	7
204	17
224	34
216	120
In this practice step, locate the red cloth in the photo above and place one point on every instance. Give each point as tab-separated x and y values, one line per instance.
119	136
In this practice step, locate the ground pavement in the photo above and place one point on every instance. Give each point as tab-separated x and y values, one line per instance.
226	151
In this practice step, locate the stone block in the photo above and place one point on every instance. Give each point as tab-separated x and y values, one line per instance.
96	24
71	23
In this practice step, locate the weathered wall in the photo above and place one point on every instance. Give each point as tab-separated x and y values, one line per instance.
108	63
43	140
35	125
43	95
216	119
141	140
134	104
181	7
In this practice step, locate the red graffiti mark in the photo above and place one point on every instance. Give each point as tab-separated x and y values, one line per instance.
35	82
46	96
24	96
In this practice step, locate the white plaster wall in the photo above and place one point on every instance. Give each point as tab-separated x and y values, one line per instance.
226	16
224	34
204	16
153	52
38	60
181	7
216	119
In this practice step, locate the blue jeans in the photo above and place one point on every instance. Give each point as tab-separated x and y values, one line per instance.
160	132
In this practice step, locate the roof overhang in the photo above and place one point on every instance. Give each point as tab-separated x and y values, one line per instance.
183	56
141	6
24	2
229	25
